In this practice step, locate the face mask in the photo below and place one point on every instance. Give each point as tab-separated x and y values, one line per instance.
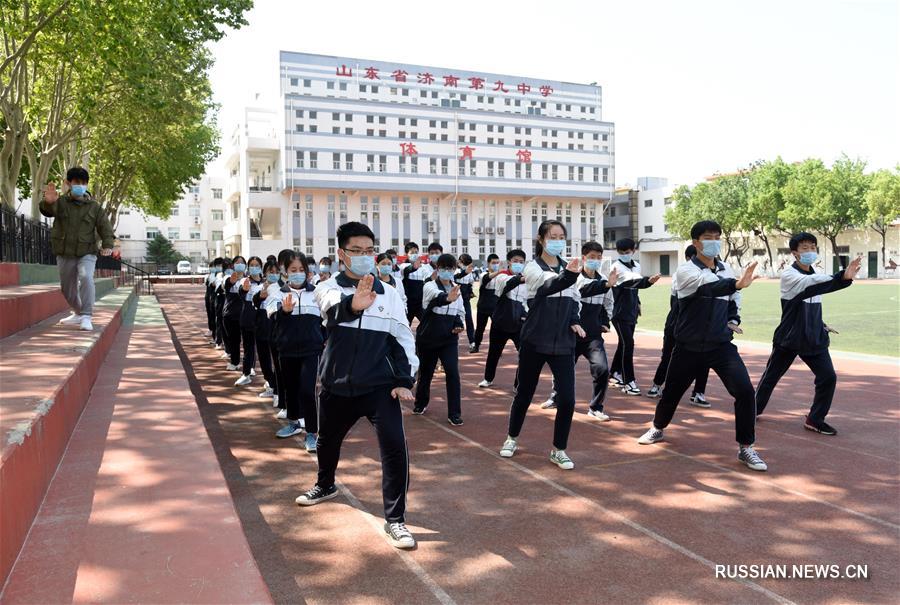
384	269
297	279
592	263
215	270
808	258
517	267
325	268
413	257
446	274
240	267
711	247
362	265
272	278
555	247
434	257
254	271
79	190
495	266
625	258
229	272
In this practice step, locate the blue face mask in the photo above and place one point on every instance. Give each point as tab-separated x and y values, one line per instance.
240	267
362	265
808	258
229	272
297	279
272	278
79	190
385	269
625	258
445	274
555	247
325	268
254	271
517	267
592	263
434	257
495	266
711	247
413	257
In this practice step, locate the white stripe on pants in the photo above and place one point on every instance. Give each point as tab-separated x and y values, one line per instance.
76	279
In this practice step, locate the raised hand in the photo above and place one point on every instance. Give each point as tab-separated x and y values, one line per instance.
612	278
364	296
574	265
287	305
655	278
853	268
579	331
453	294
748	277
50	193
245	285
402	394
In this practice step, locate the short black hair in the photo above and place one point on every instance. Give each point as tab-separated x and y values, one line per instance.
298	256
465	259
799	238
446	261
435	246
588	247
326	259
383	256
391	251
690	252
409	246
217	261
516	252
282	257
705	227
353	229
255	258
271	258
77	173
626	243
492	256
271	264
236	257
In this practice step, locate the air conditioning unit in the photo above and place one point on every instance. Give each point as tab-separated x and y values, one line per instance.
196	220
476	229
488	229
501	230
432	228
593	229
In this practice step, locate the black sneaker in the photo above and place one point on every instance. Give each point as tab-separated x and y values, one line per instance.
822	427
317	495
455	420
399	536
418	411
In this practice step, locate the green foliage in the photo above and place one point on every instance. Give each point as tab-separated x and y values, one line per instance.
161	251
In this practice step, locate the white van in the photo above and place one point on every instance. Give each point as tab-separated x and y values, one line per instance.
184	267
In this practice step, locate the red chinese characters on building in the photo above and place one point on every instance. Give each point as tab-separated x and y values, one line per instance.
524	88
451	81
408	149
467	152
400	75
546	90
372	73
476	83
426	78
523	156
343	70
498	86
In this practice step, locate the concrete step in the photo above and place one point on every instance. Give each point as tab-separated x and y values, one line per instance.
46	372
14	274
23	305
139	510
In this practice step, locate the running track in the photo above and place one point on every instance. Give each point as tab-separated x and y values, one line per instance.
631	523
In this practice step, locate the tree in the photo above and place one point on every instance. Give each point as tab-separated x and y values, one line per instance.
883	204
765	199
826	201
161	251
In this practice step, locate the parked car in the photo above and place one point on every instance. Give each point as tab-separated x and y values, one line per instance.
202	269
184	267
165	270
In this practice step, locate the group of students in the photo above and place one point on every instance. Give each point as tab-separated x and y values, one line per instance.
336	343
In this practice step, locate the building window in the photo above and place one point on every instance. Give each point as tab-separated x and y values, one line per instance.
216	236
195	234
648	203
648	229
217	194
174	233
294	81
217	215
152	232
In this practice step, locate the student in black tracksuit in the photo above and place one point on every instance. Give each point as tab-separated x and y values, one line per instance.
367	368
706	286
626	309
508	316
548	337
298	332
415	273
465	277
487	300
437	337
802	332
219	305
209	298
698	396
264	346
250	286
231	312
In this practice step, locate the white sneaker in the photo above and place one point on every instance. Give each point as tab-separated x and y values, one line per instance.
73	319
252	371
224	355
302	423
399	536
550	404
267	386
616	379
598	415
484	384
748	456
282	414
86	324
208	333
267	393
231	367
631	389
218	346
561	459
274	401
699	400
652	435
242	381
509	448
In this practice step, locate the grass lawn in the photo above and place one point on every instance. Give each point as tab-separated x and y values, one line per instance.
867	315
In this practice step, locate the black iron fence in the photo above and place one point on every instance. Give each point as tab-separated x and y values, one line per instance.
23	240
125	274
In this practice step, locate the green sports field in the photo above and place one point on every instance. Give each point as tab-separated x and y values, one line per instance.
867	315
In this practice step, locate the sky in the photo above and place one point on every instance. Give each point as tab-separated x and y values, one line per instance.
694	87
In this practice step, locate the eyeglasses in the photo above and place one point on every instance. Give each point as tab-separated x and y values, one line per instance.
359	251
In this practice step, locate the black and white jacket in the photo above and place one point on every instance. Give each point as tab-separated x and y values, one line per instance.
364	351
707	302
414	280
625	293
234	302
249	309
802	328
596	304
552	308
298	333
487	294
512	303
440	316
465	279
